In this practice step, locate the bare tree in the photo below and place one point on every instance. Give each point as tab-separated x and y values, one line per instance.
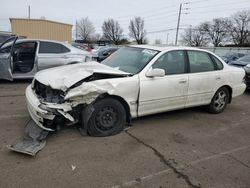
194	37
239	28
85	29
96	37
136	30
216	30
112	31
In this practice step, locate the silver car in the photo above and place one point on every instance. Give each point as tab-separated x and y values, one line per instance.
22	58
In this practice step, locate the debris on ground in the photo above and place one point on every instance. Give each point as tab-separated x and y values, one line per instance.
73	167
33	141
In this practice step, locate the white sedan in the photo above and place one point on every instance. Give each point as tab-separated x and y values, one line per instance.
134	81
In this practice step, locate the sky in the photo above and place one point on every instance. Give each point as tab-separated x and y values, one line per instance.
160	15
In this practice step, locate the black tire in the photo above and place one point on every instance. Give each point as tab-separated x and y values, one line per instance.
219	101
108	118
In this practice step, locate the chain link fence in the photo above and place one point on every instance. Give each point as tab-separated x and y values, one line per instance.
224	50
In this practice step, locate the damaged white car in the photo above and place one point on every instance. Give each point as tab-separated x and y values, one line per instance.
134	81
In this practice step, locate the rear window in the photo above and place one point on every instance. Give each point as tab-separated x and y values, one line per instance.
51	47
217	62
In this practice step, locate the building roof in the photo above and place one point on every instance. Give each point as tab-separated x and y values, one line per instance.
41	20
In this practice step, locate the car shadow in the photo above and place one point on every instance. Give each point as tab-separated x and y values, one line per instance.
171	114
22	81
247	92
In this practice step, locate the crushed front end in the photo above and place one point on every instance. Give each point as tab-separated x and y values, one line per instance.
47	108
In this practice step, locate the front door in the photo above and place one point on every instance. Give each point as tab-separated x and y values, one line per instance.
159	94
6	58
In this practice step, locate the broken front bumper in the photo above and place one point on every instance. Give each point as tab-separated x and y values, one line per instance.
40	112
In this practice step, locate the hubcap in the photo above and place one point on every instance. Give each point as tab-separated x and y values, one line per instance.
106	118
220	100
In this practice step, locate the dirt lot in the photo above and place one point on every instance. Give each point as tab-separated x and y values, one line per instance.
186	148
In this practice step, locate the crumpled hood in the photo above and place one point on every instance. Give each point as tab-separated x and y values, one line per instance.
65	76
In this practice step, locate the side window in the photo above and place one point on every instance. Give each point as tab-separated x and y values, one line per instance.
172	62
200	62
217	62
51	47
24	51
25	47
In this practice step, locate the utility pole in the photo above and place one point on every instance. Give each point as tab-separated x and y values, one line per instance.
167	38
76	30
178	25
29	12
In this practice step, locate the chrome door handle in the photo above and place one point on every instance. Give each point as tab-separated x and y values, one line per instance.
183	81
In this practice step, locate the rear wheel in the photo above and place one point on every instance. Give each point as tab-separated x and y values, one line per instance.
108	118
219	101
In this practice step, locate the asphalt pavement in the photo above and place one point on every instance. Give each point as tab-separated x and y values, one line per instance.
185	148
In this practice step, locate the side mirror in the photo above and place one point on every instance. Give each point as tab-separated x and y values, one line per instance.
155	73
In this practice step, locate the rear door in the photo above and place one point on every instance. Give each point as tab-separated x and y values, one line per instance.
204	78
51	54
6	58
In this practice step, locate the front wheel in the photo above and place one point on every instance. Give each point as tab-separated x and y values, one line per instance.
108	118
219	101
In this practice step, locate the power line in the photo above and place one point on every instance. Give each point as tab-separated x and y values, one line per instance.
212	11
140	13
161	15
198	1
166	21
161	31
222	4
151	17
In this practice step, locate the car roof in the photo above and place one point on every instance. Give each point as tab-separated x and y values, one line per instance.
41	40
20	40
167	48
44	40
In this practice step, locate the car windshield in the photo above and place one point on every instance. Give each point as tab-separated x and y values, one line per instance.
130	59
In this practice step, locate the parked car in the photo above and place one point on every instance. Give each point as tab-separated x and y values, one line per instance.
22	58
136	81
228	57
82	46
247	77
241	62
244	63
4	36
97	48
103	53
